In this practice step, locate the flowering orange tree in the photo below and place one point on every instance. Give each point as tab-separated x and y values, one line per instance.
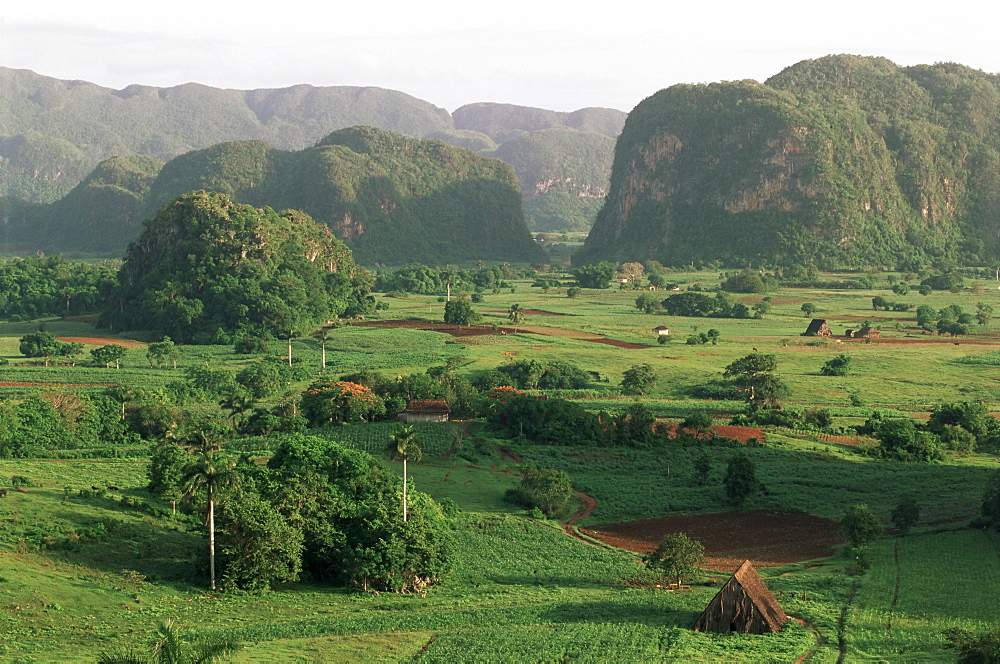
333	402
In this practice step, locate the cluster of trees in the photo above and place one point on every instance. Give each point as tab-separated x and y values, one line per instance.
40	286
44	344
545	489
961	427
424	280
952	320
317	509
699	305
208	270
534	375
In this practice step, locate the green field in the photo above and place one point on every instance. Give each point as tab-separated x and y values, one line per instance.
83	567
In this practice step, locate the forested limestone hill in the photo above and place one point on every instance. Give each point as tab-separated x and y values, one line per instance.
844	160
393	199
54	132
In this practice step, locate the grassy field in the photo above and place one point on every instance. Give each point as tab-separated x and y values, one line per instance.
81	568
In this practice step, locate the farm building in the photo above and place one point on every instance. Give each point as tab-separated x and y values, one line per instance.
864	333
818	327
743	605
425	410
662	330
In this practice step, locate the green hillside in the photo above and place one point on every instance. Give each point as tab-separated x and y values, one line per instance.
844	160
392	199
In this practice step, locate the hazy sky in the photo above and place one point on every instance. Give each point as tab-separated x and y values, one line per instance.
549	54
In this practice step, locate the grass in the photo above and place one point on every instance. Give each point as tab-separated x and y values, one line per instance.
71	564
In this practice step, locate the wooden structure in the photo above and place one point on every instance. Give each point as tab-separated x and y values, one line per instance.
743	605
425	410
864	333
661	330
818	327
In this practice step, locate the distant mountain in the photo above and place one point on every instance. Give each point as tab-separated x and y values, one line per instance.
53	133
391	198
840	161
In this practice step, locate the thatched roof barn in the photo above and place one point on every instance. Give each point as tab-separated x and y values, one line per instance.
864	333
743	605
818	327
425	410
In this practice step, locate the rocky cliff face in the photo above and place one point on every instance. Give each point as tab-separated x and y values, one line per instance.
843	160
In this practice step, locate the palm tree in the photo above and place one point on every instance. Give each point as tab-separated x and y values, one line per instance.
215	475
323	336
289	337
515	316
403	445
171	648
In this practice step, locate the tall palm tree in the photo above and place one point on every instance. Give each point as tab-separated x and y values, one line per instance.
289	337
515	316
215	475
322	336
403	445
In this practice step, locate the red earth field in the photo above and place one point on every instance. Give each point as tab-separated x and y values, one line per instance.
764	537
102	341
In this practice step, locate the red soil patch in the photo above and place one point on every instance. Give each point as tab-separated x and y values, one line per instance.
615	343
764	537
102	341
18	383
453	330
742	434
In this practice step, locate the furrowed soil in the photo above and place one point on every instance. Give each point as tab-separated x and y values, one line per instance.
764	537
102	341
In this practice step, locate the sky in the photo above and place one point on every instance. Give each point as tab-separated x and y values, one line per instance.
547	54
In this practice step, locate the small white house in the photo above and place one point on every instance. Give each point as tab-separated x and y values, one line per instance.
662	330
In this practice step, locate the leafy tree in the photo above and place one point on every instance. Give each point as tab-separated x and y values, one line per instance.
110	353
163	352
901	440
697	421
403	445
328	401
547	488
753	377
991	500
647	302
213	474
639	379
250	345
515	315
901	288
264	378
677	556
838	366
974	647
572	291
166	469
808	309
906	514
44	344
460	312
598	275
741	481
703	467
860	526
262	548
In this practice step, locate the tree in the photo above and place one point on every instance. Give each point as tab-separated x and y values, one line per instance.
460	312
44	344
403	445
808	309
860	526
639	379
515	315
753	377
633	272
991	500
838	366
262	548
171	648
163	352
647	303
984	313
213	474
906	514
741	481
328	401
289	337
597	275
107	354
901	288
547	488
678	556
703	467
322	337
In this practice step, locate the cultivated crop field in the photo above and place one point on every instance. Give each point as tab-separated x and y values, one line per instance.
89	559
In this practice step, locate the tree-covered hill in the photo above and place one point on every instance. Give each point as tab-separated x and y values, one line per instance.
393	199
209	270
54	132
844	160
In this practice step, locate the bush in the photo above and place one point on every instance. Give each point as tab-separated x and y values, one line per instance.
838	366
